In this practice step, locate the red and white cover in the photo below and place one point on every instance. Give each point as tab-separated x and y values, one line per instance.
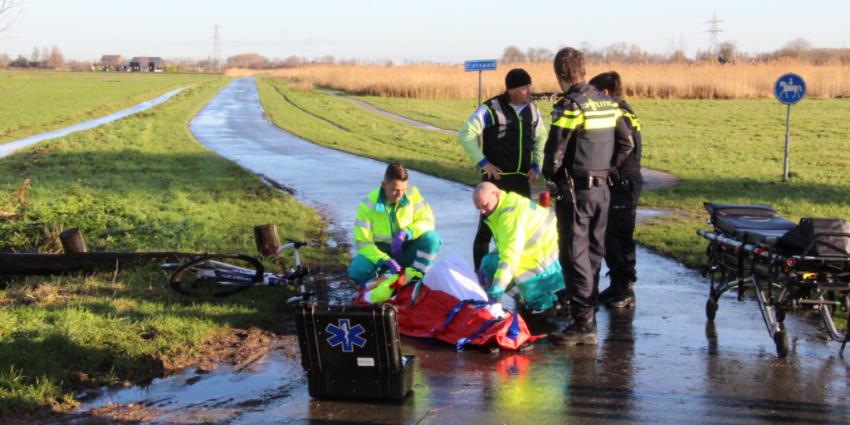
449	305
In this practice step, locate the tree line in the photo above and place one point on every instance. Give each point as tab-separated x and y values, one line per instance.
726	52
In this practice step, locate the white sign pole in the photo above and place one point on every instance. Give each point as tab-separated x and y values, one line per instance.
787	143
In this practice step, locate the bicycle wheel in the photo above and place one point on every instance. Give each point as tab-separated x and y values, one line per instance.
217	275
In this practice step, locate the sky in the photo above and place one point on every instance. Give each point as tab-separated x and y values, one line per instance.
435	30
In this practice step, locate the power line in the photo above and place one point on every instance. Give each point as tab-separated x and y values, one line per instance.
713	30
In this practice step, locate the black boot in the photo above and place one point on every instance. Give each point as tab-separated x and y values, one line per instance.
625	299
623	295
579	332
607	294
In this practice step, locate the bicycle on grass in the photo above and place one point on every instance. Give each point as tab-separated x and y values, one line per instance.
220	275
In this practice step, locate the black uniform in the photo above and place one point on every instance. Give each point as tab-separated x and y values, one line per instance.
508	143
587	139
626	185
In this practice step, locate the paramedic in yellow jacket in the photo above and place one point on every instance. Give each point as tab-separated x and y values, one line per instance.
394	229
527	247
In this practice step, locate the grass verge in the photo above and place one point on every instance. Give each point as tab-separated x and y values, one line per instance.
33	102
140	183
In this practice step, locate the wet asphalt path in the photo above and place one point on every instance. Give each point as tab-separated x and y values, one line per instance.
659	363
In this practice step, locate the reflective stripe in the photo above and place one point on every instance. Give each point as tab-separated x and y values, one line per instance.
363	223
369	203
500	116
359	245
633	120
569	123
421	267
537	270
387	239
420	205
540	231
600	119
425	255
508	209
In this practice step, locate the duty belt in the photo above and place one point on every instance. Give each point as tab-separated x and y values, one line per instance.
588	182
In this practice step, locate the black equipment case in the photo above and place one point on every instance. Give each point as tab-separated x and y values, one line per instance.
353	352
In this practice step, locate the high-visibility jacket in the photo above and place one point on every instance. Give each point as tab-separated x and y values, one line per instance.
526	237
378	221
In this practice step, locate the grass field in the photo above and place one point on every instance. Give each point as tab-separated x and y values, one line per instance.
141	183
666	81
723	150
34	102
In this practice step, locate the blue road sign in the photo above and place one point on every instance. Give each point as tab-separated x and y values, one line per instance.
790	89
480	65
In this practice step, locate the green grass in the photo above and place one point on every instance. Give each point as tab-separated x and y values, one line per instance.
306	114
723	151
34	102
141	183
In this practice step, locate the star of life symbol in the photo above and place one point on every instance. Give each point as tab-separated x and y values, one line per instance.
345	335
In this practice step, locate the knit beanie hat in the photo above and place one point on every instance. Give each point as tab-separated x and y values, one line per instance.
517	77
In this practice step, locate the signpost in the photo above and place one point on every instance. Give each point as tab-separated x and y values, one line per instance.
480	66
789	89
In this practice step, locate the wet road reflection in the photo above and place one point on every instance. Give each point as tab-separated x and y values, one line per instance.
659	363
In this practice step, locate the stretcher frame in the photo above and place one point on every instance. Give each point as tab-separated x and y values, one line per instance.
781	282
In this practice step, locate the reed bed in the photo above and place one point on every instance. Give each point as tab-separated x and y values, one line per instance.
662	81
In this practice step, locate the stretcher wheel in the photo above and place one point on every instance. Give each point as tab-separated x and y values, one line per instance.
711	307
781	340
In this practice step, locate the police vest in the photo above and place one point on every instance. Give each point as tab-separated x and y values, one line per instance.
632	163
596	119
509	142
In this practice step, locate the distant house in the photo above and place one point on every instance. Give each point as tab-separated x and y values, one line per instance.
112	63
147	64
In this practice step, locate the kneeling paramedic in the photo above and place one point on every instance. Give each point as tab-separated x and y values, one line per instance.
394	229
527	247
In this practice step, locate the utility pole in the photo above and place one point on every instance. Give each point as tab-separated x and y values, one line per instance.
713	30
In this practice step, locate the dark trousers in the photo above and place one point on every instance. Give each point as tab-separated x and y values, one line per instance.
581	241
516	183
619	235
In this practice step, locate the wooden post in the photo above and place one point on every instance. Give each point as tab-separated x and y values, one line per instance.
265	236
72	241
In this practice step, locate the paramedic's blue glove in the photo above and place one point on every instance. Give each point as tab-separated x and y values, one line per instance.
495	292
392	266
482	280
398	241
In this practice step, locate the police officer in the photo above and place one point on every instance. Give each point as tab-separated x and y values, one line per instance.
626	184
512	139
587	138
